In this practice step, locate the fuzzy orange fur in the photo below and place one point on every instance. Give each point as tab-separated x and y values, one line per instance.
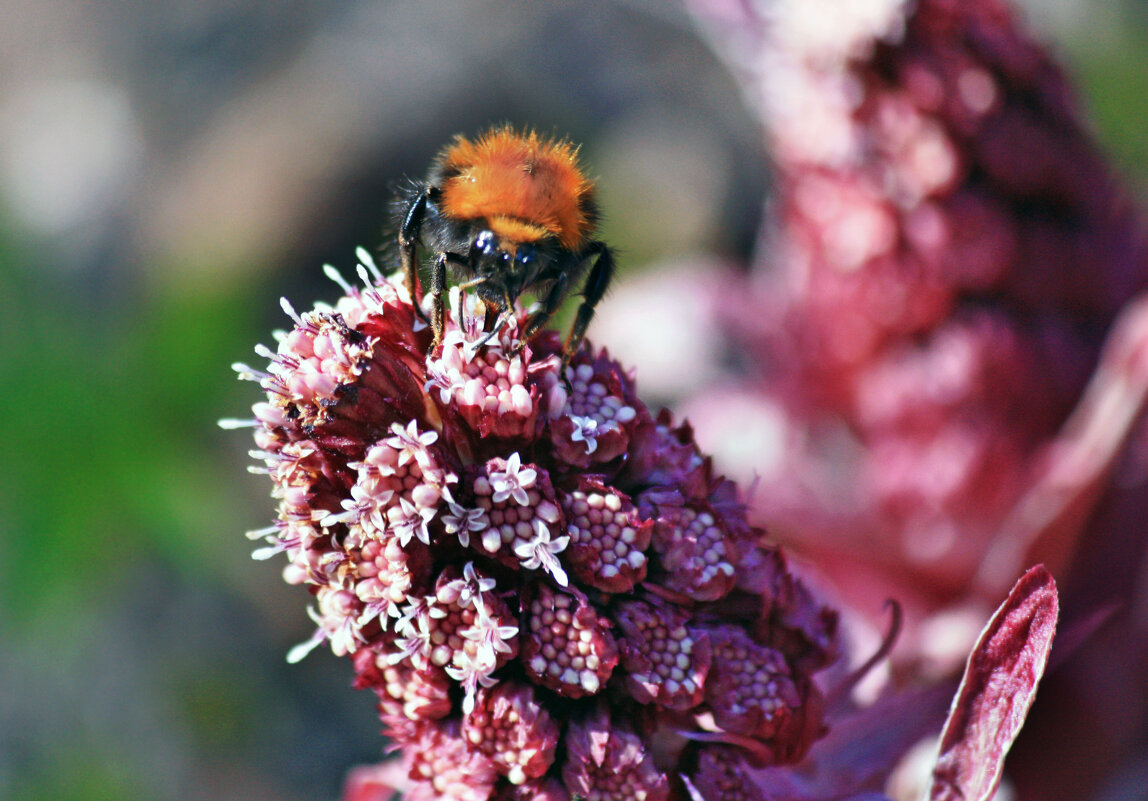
525	185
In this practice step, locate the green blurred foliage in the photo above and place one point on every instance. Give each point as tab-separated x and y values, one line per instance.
80	777
109	444
1112	75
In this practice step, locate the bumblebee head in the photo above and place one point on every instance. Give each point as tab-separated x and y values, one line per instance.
506	268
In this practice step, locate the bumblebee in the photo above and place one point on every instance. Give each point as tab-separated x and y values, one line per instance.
506	212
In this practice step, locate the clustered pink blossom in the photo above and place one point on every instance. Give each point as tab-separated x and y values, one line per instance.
547	588
946	333
949	252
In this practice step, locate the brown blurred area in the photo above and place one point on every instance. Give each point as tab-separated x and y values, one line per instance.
224	137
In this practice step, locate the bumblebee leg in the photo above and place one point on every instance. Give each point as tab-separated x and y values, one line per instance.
438	286
541	317
408	238
437	290
592	292
490	315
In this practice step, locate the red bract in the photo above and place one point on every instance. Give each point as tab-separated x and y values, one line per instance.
608	762
997	690
525	566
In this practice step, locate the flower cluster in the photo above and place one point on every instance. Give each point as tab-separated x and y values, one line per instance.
950	324
547	588
949	251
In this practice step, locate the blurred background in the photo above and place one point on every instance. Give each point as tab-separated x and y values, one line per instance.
167	172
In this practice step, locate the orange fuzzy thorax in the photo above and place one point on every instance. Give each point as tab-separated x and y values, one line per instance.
527	187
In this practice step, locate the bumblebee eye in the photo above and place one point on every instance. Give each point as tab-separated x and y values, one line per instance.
485	243
526	255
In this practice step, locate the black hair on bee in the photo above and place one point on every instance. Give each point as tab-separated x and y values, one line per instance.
507	212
